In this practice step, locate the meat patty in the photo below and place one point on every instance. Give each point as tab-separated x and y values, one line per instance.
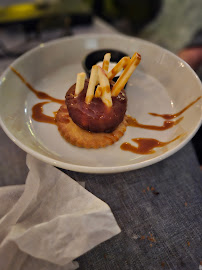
95	116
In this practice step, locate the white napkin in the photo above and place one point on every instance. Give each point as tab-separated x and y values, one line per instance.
50	221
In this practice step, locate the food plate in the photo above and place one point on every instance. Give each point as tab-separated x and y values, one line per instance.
162	84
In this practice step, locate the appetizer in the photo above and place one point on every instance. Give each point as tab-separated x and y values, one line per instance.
93	115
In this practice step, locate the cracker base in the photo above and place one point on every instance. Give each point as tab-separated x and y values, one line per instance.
85	139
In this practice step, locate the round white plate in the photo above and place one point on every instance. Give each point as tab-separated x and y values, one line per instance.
162	83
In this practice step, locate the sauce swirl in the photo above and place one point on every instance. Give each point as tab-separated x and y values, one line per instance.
39	116
132	122
171	116
39	94
145	145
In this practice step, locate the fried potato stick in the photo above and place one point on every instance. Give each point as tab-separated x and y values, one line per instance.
133	63
92	83
119	66
80	83
105	65
104	83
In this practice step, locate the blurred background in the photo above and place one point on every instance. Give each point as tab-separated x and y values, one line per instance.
174	25
169	23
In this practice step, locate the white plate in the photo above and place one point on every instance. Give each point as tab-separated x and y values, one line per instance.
162	83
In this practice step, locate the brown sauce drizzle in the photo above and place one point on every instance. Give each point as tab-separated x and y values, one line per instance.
39	116
171	116
145	145
132	122
39	94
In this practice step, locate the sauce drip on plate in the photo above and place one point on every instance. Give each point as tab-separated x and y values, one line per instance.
39	94
132	122
39	116
145	145
171	116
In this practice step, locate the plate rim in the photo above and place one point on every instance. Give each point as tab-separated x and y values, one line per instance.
101	169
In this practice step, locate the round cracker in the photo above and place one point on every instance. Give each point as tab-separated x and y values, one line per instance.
82	138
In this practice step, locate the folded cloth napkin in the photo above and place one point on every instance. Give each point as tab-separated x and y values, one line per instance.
50	221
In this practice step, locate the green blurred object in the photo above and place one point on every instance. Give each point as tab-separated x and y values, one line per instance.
76	10
137	13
